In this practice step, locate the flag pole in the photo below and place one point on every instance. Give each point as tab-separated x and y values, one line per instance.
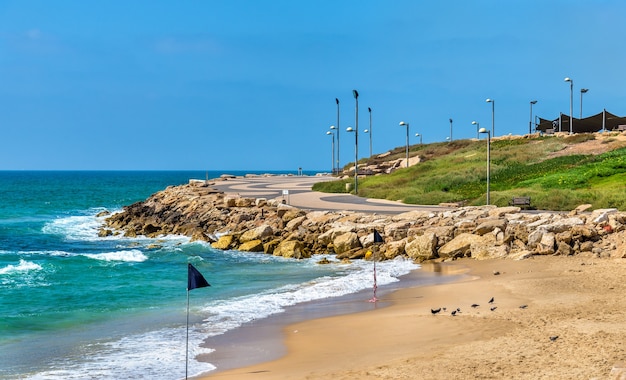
187	339
374	299
195	280
377	239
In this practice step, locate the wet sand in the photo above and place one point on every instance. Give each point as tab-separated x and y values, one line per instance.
577	301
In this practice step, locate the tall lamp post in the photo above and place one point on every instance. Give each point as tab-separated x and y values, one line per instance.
402	123
355	93
369	109
337	101
450	129
420	136
477	124
333	129
571	102
483	130
493	113
582	91
356	163
530	122
333	150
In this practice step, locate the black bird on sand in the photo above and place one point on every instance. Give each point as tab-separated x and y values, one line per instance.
554	337
475	305
491	300
523	306
494	308
435	311
453	313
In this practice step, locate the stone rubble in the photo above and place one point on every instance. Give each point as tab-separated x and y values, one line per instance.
231	222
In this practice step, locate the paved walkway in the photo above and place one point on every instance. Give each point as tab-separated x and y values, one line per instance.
296	191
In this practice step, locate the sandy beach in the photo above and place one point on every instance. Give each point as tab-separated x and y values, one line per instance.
554	318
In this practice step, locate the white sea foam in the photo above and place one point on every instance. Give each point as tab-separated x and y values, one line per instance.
160	354
23	266
76	227
152	355
230	314
133	255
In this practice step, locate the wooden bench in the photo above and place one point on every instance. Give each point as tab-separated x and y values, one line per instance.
520	201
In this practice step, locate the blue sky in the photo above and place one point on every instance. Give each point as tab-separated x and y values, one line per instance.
251	85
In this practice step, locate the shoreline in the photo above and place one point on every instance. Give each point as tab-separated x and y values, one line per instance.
573	326
263	340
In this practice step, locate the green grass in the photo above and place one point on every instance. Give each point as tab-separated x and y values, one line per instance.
456	172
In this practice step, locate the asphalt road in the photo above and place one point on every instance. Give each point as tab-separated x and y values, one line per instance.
296	191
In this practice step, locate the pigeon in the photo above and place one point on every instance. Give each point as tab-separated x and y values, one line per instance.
554	337
453	313
475	305
444	309
491	300
523	306
458	309
435	311
493	308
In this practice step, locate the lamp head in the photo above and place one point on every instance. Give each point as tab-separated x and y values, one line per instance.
329	133
349	129
583	90
333	127
489	100
369	109
417	135
355	93
474	122
403	123
337	101
366	131
568	79
533	102
450	121
483	130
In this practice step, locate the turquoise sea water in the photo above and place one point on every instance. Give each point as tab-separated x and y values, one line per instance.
77	306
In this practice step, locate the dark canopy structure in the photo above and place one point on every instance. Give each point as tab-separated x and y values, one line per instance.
604	120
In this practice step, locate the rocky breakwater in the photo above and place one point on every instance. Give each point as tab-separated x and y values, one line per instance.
268	226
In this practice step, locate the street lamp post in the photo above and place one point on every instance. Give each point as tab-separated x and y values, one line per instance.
530	122
450	129
355	93
333	150
356	181
483	130
582	91
337	101
369	109
477	124
420	136
571	102
333	129
402	123
493	113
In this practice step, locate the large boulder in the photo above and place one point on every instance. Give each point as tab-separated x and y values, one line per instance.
251	246
291	249
422	247
346	242
224	242
394	249
258	233
490	225
460	246
547	244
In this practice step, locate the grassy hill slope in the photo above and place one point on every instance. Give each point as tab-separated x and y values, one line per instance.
557	172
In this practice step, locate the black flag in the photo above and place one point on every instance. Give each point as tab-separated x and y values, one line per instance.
195	279
378	238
